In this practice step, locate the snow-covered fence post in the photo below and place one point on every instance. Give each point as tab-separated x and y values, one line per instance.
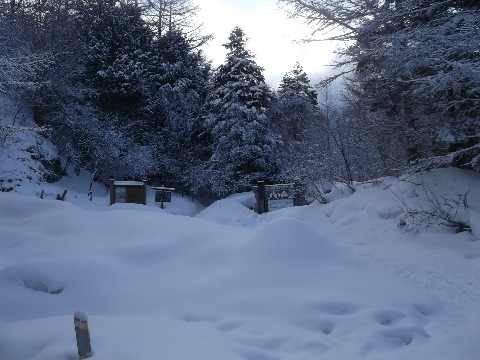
80	319
62	197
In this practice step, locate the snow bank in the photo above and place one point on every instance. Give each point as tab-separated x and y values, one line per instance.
335	281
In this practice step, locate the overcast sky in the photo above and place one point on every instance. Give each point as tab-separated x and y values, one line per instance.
271	37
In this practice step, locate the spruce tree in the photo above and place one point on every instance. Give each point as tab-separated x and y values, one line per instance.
296	83
103	128
296	118
243	147
295	106
176	88
116	47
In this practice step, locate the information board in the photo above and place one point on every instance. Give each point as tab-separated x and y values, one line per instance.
163	196
279	204
279	196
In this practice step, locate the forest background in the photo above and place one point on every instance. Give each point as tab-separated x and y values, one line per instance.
123	89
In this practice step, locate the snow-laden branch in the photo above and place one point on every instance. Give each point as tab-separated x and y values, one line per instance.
22	71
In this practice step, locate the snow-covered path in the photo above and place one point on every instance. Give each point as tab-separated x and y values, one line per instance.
459	286
445	265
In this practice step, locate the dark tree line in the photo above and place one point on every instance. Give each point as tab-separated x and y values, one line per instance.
126	91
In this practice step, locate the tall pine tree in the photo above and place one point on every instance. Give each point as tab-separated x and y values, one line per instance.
295	106
296	118
116	47
176	88
243	147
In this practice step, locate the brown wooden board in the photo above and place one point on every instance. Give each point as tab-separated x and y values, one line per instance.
134	195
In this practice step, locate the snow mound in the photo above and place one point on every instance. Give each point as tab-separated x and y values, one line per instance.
289	242
235	211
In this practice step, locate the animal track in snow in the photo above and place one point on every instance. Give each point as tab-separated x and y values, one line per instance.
404	335
325	326
388	317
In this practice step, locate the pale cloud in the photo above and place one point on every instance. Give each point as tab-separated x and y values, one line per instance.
271	37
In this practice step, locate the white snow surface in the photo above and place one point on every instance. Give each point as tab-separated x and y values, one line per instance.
331	282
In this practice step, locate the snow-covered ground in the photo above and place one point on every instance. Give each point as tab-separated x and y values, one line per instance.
334	281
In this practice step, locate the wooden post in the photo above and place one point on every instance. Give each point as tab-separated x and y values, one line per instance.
80	320
144	192
261	201
163	196
62	197
112	191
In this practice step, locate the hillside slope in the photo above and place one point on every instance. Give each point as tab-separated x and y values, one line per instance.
26	156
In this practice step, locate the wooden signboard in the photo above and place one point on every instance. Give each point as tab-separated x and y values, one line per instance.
279	196
128	192
163	194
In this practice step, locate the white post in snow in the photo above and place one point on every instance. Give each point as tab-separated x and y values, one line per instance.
80	319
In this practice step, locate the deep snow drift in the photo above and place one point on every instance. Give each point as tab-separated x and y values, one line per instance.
334	281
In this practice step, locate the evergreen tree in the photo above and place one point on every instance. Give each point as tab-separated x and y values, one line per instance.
173	63
97	119
296	83
176	88
296	105
243	147
116	47
296	118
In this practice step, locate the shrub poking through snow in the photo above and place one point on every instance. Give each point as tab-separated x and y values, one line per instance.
436	210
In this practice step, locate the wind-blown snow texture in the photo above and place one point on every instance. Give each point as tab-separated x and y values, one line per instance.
335	281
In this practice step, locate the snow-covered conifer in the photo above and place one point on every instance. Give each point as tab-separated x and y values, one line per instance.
243	144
